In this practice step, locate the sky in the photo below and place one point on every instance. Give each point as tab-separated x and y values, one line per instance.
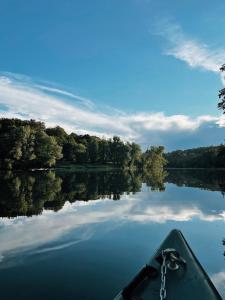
146	70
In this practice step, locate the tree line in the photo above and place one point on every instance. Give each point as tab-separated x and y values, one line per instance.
29	144
202	157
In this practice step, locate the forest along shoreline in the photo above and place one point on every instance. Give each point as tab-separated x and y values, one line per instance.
30	145
201	158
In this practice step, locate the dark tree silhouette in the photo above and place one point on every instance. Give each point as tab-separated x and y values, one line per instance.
221	104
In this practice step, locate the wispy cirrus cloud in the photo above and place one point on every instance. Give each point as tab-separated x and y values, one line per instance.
20	97
85	101
26	81
193	52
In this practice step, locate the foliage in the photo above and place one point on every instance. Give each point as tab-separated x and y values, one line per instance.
203	157
221	103
28	144
153	158
46	149
25	144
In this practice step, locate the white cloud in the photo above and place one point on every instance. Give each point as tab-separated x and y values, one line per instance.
189	50
89	103
47	232
22	98
4	80
32	101
17	235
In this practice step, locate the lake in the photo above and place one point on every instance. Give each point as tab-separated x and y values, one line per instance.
84	235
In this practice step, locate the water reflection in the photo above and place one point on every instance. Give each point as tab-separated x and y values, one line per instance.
83	198
72	217
208	179
27	194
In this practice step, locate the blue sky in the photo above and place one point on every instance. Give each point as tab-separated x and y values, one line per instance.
146	70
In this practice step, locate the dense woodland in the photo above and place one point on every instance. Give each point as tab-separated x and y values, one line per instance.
203	157
29	144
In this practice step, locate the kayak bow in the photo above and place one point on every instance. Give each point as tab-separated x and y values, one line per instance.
172	273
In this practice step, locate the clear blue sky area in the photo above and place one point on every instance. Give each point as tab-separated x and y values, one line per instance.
144	56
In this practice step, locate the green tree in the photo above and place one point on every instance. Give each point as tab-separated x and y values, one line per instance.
119	152
23	145
153	158
93	150
46	149
59	134
72	151
104	151
135	155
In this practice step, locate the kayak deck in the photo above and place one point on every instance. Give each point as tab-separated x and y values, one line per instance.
187	282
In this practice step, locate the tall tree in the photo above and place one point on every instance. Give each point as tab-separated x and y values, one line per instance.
153	158
72	151
221	104
93	150
46	149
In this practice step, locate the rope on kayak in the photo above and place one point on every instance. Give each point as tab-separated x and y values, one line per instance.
172	260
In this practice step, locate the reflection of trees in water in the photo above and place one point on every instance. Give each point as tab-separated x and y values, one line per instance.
95	185
208	179
155	179
29	193
26	194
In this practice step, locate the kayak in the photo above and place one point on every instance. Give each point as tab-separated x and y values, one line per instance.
172	273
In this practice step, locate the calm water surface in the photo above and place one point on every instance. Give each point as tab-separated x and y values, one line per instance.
84	235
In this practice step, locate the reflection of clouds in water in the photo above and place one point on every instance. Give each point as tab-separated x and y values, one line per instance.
58	247
17	256
25	234
219	280
22	234
178	204
164	214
